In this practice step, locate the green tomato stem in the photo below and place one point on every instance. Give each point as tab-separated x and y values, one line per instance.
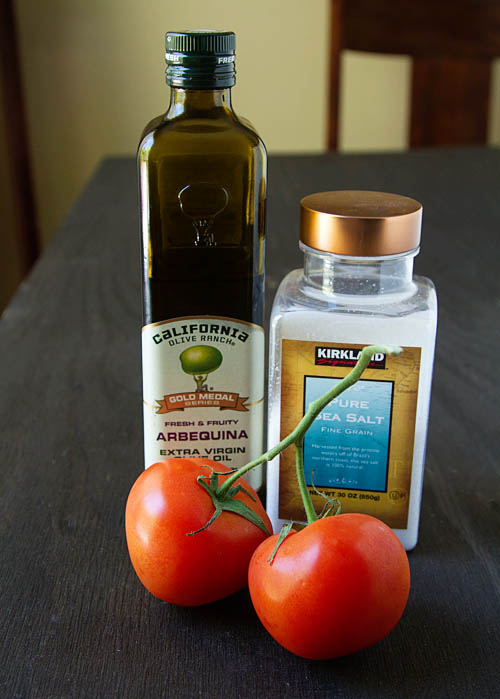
301	478
296	437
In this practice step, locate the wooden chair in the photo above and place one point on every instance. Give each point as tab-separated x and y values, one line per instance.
452	43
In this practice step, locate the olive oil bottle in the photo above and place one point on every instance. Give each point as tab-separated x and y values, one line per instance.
202	175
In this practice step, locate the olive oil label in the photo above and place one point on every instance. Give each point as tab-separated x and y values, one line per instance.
359	449
203	382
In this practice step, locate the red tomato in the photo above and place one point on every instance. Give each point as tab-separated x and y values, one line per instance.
339	585
165	504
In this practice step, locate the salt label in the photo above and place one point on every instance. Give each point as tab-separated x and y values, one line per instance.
360	447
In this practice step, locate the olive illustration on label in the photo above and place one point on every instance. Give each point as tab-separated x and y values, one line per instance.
199	361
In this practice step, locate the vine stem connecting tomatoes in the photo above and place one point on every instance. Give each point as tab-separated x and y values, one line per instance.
196	534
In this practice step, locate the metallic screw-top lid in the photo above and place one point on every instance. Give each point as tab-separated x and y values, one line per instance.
200	60
360	223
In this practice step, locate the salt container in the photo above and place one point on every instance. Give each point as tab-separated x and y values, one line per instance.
357	288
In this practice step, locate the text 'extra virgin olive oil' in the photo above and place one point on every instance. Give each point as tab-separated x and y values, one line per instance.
202	174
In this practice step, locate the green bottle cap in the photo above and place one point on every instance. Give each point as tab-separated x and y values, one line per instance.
200	60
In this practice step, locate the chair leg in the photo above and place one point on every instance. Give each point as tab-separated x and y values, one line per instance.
336	39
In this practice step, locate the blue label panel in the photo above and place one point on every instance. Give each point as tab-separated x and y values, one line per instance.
347	446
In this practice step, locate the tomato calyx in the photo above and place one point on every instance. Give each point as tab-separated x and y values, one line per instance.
225	501
331	508
285	531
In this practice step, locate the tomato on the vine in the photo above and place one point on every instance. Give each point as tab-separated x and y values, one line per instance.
336	587
166	504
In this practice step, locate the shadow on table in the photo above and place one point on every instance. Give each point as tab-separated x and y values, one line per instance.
432	652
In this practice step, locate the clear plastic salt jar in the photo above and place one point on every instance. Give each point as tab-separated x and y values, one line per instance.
367	447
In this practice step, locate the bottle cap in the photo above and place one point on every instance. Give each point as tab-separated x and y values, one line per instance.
360	223
200	60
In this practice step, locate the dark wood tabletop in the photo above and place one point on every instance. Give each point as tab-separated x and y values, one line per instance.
75	621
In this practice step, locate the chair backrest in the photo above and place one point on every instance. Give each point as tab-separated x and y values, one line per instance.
452	43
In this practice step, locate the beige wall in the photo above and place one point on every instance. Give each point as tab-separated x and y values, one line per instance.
94	75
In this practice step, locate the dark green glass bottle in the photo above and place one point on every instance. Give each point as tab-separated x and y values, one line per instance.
202	173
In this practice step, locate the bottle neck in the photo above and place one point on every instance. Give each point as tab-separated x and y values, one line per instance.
188	102
357	276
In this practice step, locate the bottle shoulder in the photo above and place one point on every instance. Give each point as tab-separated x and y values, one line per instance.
151	127
250	131
188	134
295	294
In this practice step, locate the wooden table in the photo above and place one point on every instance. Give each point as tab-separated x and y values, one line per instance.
75	620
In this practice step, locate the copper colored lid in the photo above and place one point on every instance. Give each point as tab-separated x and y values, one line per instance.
359	223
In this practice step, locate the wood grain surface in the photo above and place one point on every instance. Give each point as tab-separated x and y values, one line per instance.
75	621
